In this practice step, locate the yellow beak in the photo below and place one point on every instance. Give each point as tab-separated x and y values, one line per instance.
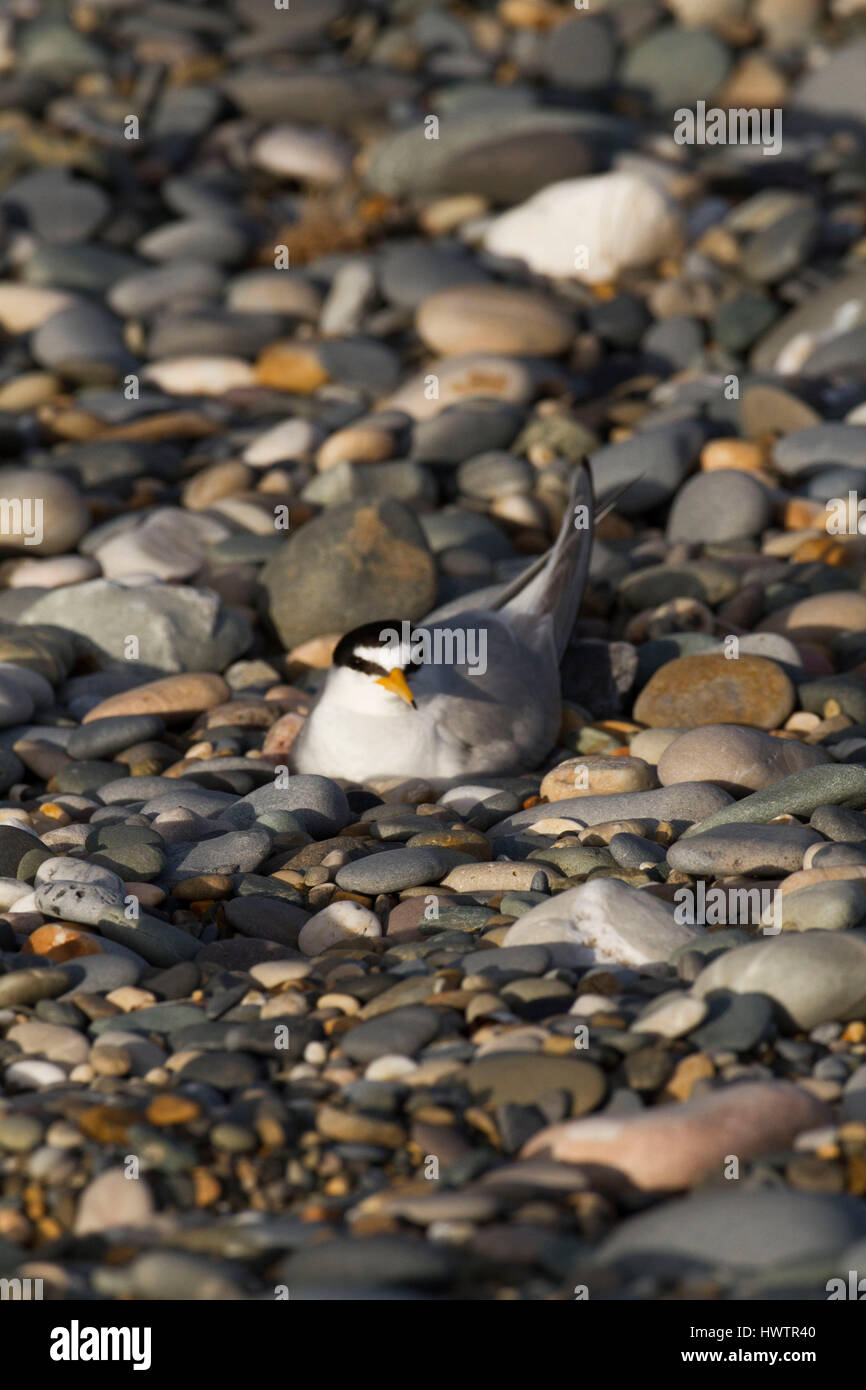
396	682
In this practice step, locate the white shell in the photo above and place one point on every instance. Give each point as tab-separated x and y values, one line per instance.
620	219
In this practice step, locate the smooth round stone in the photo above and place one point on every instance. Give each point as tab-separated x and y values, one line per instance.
791	341
813	977
848	691
291	439
178	697
596	776
33	1074
148	291
783	247
25	307
677	340
489	477
343	568
672	1147
19	1133
50	515
710	689
480	375
104	737
54	573
501	148
198	375
691	801
227	1071
739	322
266	918
762	850
819	618
671	1015
798	794
311	156
84	342
635	851
603	922
282	292
677	67
110	1201
28	986
736	758
16	702
720	506
653	464
395	869
51	1041
493	318
739	1230
340	921
462	431
387	1262
839	824
212	331
833	94
58	209
581	53
403	1031
90	268
819	447
316	803
620	220
412	272
824	907
15	842
211	238
240	851
520	1078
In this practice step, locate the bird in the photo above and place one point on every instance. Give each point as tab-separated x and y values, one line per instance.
472	690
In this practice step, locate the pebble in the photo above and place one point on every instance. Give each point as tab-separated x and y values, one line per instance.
602	923
734	757
812	977
757	850
675	1147
744	1229
340	921
491	318
711	689
591	229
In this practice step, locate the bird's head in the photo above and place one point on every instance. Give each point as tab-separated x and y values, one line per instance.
373	664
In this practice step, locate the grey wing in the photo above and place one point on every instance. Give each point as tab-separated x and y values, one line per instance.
499	713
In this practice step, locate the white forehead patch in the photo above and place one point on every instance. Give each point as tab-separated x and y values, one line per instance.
389	656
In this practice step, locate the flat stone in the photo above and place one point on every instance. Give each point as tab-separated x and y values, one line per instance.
812	976
493	318
745	1230
342	569
673	1147
113	1200
403	1031
709	689
519	1078
734	757
798	794
764	851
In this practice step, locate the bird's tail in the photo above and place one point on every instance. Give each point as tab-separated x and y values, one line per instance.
553	586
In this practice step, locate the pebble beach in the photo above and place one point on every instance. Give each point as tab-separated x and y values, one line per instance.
309	316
